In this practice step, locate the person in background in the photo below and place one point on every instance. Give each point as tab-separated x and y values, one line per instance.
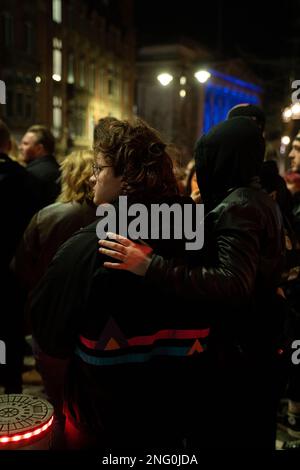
249	110
19	200
54	224
292	179
37	149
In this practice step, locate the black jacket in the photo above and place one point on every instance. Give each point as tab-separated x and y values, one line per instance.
46	171
19	199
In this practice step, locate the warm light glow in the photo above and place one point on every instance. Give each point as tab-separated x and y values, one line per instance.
38	79
296	109
285	140
182	93
182	80
27	435
287	113
202	76
164	79
56	77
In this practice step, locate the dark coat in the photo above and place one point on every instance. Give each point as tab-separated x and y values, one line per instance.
47	231
46	171
148	345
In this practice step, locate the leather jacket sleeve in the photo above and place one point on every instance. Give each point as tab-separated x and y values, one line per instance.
236	239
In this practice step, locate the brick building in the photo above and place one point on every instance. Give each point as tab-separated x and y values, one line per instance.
66	63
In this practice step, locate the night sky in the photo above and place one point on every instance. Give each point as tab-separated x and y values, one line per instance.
256	30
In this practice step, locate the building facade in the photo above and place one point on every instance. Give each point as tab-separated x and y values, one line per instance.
66	63
184	108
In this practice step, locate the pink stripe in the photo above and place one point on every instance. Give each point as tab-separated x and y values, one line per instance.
168	334
163	334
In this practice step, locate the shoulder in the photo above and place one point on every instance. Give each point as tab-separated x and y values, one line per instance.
248	208
79	249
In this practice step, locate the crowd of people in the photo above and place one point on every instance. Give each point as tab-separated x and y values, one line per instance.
141	342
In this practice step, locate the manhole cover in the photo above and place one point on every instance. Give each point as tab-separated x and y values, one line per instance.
21	414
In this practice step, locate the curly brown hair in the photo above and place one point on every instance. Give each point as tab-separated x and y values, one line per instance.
137	153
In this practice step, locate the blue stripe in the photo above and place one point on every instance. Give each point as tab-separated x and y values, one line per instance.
132	358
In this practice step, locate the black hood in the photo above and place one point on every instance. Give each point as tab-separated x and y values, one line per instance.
228	157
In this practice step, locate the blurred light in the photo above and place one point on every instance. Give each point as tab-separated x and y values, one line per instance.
27	435
182	80
287	114
56	77
296	109
164	79
38	79
202	76
182	93
285	140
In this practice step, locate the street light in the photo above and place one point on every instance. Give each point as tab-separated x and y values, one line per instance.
295	109
287	114
202	76
285	140
165	78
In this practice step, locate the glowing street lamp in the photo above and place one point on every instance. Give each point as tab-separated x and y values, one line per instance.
287	114
165	78
295	109
56	77
202	76
285	140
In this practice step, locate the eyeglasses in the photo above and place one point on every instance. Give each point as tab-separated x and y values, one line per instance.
98	168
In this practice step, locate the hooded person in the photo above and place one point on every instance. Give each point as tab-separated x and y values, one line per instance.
251	111
234	282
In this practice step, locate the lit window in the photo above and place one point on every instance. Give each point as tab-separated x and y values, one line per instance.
71	77
57	60
57	116
56	11
92	77
81	73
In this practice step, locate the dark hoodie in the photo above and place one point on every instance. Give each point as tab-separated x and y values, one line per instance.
230	156
235	286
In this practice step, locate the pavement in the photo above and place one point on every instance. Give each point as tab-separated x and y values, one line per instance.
32	385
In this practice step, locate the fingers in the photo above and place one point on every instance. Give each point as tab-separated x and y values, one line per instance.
115	236
113	246
119	266
112	254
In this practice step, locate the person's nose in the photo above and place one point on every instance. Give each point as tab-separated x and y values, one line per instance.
291	154
92	180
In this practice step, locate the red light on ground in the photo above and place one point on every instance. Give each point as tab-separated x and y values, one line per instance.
27	435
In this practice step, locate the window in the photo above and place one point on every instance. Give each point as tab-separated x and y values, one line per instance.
110	87
8	27
92	78
9	103
126	93
71	77
56	11
19	104
81	73
28	107
57	116
57	60
28	38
